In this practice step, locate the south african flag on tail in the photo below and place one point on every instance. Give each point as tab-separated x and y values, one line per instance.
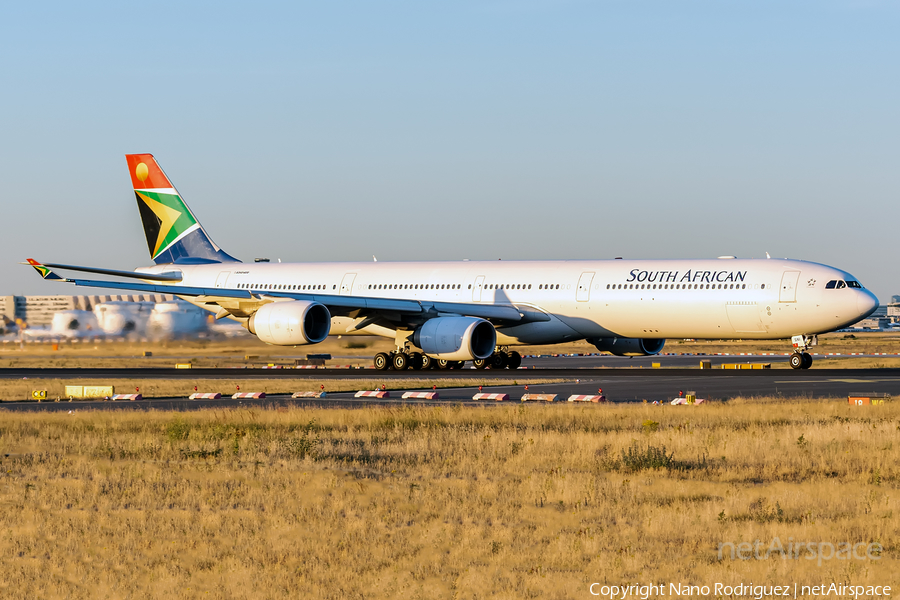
173	233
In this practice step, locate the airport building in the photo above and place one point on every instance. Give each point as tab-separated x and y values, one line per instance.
38	311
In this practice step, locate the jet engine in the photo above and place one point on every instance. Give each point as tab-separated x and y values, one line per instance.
456	338
629	346
291	323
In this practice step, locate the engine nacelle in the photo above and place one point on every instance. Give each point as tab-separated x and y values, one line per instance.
629	346
291	323
456	338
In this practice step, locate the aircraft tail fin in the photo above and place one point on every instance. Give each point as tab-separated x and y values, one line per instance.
173	233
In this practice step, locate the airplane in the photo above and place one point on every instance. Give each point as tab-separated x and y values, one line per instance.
441	314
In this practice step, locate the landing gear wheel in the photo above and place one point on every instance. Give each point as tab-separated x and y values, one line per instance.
382	361
415	360
427	362
797	361
443	364
515	360
480	363
499	360
807	361
400	361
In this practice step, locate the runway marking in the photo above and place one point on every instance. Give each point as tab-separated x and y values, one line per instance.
837	380
861	380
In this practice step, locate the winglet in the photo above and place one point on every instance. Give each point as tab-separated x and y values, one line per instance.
44	271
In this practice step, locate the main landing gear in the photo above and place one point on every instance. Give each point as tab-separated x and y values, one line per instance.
401	360
801	359
500	359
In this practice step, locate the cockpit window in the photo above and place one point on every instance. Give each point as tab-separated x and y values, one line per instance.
839	284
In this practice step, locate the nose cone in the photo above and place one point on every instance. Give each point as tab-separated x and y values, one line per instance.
866	303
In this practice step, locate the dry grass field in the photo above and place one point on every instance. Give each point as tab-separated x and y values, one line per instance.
502	502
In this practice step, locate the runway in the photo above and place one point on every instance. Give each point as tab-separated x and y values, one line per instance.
618	385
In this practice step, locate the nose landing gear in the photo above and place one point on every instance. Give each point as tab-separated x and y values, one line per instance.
801	359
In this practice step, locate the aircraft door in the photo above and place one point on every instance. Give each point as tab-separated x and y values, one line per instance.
222	279
476	290
347	284
583	294
789	286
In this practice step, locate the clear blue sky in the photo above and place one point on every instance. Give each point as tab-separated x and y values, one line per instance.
425	130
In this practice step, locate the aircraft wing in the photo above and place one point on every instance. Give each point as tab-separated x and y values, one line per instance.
129	274
393	310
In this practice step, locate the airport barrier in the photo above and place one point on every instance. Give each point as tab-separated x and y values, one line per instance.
39	395
248	395
205	396
372	394
86	392
583	398
183	366
308	395
497	397
273	367
747	366
420	395
544	397
868	399
687	401
131	397
306	366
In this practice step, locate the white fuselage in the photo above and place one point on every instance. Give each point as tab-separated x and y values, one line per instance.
717	298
